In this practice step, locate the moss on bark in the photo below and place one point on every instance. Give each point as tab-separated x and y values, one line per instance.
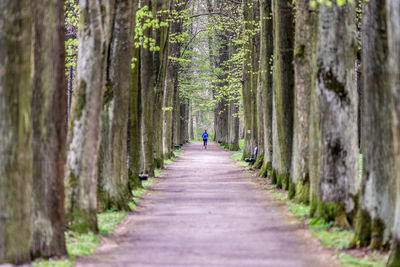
329	212
273	176
362	229
266	169
394	258
83	221
303	192
292	190
259	162
282	181
377	230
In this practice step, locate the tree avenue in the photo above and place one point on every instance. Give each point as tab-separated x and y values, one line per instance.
96	93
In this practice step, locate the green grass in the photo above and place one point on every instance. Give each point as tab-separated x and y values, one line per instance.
168	161
319	225
279	196
85	244
238	155
334	238
375	260
54	263
81	244
241	144
299	210
109	220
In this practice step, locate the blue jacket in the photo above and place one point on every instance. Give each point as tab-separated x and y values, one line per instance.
204	136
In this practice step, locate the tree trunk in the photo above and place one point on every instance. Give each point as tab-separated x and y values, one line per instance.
283	91
265	82
255	56
114	188
393	26
171	79
49	112
191	129
304	58
15	131
147	80
247	78
375	216
85	122
260	120
333	120
162	55
134	131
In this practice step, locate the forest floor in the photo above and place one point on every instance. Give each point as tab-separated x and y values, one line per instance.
205	210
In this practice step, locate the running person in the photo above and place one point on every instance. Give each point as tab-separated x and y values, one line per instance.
205	138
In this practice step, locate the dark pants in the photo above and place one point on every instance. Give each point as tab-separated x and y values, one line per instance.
205	142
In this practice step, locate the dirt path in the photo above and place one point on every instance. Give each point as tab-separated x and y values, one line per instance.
204	211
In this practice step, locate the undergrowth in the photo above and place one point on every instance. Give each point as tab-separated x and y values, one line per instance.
328	235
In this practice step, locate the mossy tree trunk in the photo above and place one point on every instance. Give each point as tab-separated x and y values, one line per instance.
255	56
161	66
114	186
393	26
49	112
169	96
221	112
85	121
283	95
375	216
134	130
191	124
247	6
260	127
265	82
304	57
333	120
147	83
134	122
15	131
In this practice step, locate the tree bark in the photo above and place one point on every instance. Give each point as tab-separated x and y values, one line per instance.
333	132
147	83
247	78
134	131
375	215
393	26
304	60
15	131
255	56
49	112
114	188
283	95
265	82
162	55
85	122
